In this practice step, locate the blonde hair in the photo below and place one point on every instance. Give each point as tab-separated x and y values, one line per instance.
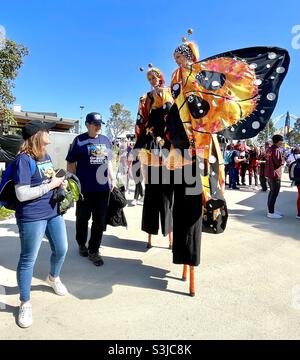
33	146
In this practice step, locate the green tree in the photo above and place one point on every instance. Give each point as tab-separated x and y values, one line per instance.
120	121
293	137
267	133
11	59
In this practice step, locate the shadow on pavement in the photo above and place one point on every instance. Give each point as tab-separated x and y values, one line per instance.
288	226
82	278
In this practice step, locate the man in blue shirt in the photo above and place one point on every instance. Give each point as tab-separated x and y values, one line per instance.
89	157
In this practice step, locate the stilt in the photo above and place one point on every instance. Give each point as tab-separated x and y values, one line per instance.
170	240
184	272
192	281
149	245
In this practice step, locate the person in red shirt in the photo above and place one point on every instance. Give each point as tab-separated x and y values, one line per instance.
273	172
253	165
262	166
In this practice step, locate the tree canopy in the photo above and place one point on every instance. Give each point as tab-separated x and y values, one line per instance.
120	121
11	59
267	133
293	137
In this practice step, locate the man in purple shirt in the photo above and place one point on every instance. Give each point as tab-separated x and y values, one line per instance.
89	157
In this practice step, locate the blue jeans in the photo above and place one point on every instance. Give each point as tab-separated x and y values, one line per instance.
232	178
31	235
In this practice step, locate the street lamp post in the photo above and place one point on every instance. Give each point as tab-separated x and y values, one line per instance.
81	110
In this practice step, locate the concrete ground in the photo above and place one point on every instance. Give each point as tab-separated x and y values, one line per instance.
247	286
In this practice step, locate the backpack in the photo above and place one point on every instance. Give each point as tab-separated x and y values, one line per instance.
294	170
8	198
228	157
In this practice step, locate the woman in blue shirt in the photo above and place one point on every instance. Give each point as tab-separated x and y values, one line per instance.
36	213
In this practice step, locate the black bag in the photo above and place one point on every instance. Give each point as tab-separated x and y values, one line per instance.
117	201
215	215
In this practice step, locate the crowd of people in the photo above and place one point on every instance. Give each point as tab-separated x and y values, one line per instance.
266	162
243	164
176	155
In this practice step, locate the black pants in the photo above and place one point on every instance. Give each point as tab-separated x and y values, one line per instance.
274	185
253	170
187	227
244	167
138	191
95	204
158	202
263	180
187	216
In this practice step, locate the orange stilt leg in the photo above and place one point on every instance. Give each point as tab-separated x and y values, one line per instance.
192	281
170	240
149	245
184	272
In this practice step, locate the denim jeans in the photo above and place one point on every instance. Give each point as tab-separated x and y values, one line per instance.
232	178
31	235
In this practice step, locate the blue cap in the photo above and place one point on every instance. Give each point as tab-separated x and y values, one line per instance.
94	118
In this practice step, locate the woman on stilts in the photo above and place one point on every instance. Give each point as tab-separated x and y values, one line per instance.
150	132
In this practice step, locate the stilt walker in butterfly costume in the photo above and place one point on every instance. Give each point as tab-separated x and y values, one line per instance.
150	131
232	94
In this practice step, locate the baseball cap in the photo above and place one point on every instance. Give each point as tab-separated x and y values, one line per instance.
35	126
94	118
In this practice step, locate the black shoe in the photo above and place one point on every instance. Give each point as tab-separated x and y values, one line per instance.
96	259
149	246
83	251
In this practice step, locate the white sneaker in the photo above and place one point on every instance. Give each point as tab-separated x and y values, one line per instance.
25	315
278	212
297	216
274	216
58	287
140	202
133	202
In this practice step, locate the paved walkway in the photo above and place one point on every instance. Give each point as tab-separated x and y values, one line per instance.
248	283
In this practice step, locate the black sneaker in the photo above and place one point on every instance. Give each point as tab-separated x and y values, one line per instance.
83	251
96	259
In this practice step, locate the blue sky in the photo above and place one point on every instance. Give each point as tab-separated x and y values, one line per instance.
89	52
